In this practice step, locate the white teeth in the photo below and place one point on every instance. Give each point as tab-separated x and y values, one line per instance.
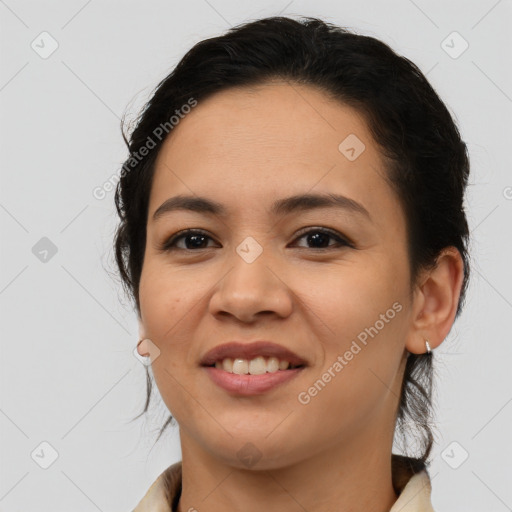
240	366
273	365
283	365
227	365
257	366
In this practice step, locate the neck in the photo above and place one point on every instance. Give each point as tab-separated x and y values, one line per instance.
346	478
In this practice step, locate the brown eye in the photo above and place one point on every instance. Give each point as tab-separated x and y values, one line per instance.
319	238
193	239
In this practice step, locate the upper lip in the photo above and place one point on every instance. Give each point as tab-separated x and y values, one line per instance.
235	349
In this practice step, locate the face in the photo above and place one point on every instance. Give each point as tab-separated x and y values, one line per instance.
327	281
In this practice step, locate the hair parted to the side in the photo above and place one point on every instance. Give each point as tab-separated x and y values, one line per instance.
428	162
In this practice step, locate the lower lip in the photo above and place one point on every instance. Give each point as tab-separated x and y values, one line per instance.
247	385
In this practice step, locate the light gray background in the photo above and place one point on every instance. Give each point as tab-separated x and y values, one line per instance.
68	374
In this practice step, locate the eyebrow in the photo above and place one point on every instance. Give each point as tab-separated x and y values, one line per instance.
285	206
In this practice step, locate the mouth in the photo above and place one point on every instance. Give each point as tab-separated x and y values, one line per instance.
251	369
254	358
256	366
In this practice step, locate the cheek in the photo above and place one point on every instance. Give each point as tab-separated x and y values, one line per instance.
357	379
362	313
171	305
165	299
164	312
349	298
163	309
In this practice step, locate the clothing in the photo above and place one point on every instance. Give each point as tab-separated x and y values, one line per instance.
411	482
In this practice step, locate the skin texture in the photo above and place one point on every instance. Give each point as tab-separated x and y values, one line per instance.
246	148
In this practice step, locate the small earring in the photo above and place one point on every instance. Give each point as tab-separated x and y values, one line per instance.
427	344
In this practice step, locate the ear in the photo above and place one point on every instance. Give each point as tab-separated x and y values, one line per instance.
435	302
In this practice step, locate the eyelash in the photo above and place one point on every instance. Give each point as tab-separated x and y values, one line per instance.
170	243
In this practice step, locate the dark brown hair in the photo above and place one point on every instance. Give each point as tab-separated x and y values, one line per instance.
428	162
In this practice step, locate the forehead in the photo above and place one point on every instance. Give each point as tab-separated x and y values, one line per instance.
266	141
293	122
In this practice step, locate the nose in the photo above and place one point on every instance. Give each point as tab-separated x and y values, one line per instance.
249	291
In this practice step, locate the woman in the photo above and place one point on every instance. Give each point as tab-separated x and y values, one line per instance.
294	239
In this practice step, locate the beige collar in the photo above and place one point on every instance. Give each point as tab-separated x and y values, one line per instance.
414	489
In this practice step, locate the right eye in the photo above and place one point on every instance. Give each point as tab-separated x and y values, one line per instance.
194	237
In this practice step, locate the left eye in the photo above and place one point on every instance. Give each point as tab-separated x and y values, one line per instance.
318	237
